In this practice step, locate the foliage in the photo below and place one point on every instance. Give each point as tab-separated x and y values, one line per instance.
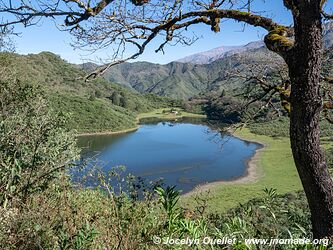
92	219
68	217
64	216
42	209
119	212
34	145
91	105
95	115
224	109
275	128
280	127
273	216
168	199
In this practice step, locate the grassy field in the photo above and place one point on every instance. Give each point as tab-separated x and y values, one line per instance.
166	114
276	169
160	114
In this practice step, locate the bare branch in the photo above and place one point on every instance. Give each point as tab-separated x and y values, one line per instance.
114	23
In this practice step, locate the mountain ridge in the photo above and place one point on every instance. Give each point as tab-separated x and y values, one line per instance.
212	55
183	80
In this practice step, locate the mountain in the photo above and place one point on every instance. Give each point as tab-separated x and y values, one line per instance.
93	106
184	80
174	79
212	55
328	35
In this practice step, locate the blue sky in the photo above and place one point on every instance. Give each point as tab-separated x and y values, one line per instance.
46	37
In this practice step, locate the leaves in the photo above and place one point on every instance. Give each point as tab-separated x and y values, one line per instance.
34	145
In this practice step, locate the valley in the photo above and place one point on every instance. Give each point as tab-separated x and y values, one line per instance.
232	144
199	73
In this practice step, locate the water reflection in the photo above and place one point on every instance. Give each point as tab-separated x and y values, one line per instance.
184	153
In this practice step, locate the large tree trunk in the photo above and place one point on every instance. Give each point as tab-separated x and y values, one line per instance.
304	64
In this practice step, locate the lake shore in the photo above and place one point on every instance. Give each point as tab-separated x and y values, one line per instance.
158	114
251	175
109	132
274	167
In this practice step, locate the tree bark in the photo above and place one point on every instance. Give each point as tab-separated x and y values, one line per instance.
304	62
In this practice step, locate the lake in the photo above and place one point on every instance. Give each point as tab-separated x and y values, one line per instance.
184	153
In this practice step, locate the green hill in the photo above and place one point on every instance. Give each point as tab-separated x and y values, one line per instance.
184	80
92	106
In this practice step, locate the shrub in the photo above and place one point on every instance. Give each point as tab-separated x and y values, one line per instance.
34	146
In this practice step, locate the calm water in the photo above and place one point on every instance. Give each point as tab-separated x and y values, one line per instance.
183	154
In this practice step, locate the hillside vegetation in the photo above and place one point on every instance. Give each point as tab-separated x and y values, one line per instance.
43	98
92	106
42	208
184	80
199	73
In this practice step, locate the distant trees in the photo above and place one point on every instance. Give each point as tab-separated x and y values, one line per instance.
224	109
121	99
92	97
98	93
115	98
125	102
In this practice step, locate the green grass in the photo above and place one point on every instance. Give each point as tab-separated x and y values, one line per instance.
100	116
166	115
276	169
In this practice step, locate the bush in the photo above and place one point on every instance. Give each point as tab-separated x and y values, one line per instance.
279	127
224	109
35	148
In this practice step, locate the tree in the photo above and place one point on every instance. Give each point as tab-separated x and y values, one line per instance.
98	93
225	109
124	102
6	44
300	46
115	97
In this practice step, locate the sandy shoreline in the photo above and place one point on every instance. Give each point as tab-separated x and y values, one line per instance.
252	172
109	132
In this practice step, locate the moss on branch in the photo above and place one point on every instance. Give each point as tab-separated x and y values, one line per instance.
278	40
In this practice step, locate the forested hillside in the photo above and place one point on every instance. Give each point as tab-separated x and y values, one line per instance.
91	106
184	80
198	73
255	173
